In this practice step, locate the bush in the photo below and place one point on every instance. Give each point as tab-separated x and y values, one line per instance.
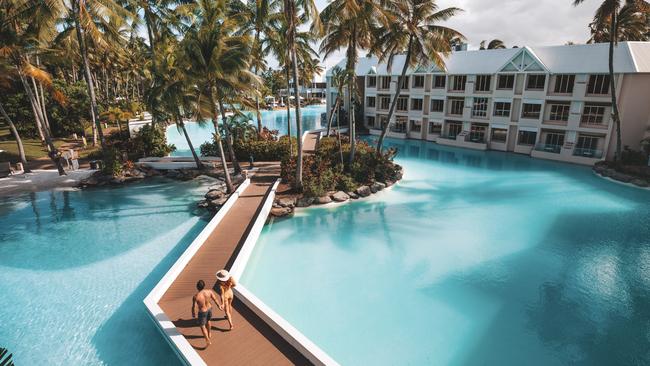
150	141
112	164
268	148
631	157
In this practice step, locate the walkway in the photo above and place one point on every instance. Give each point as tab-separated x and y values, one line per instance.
252	341
310	143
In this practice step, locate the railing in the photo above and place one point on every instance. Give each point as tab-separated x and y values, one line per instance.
588	153
548	148
447	136
474	138
397	129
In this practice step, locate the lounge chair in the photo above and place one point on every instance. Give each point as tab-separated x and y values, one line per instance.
5	169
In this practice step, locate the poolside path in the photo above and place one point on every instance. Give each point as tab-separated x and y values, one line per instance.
252	341
310	143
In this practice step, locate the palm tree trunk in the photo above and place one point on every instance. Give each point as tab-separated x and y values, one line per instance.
179	122
393	104
87	73
615	115
298	116
229	142
42	97
19	142
217	139
352	55
331	118
289	111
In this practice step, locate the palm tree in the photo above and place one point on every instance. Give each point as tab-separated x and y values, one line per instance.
494	44
339	79
414	30
608	14
350	24
633	25
5	83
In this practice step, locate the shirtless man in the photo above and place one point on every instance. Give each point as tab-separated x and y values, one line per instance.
202	301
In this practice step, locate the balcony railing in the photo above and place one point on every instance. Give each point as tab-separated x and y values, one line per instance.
548	148
588	153
397	129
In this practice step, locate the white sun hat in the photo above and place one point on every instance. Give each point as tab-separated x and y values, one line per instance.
223	275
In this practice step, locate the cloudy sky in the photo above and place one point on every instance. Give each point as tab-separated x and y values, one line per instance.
516	22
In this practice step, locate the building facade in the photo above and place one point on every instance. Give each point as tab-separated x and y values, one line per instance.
546	102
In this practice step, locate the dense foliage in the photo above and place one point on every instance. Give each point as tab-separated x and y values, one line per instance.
150	140
267	147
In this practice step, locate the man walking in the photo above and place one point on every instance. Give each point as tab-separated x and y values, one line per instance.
202	300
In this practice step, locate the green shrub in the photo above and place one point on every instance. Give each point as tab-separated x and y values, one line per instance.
150	141
112	163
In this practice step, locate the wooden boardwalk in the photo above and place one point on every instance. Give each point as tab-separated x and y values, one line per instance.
252	341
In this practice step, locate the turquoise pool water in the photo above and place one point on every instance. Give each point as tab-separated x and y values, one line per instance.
473	259
76	265
273	120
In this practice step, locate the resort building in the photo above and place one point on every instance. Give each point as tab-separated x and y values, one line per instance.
547	102
315	89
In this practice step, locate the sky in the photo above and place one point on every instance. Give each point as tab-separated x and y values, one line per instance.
515	22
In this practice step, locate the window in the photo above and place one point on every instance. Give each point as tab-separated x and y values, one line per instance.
587	142
499	135
437	105
385	82
477	133
435	128
598	84
403	104
454	129
416	104
404	82
384	102
371	102
483	83
593	114
554	139
415	126
418	81
527	138
400	124
457	106
458	82
370	121
479	107
506	82
559	112
531	110
536	82
502	109
439	81
372	81
564	84
383	121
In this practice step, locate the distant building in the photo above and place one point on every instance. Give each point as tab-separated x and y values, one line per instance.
546	102
314	90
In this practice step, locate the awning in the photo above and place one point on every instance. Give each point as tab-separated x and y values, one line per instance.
533	101
503	100
499	125
528	128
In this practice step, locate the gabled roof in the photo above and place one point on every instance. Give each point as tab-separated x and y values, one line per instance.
629	57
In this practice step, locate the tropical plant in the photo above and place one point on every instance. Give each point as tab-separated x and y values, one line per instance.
5	357
413	30
494	44
339	80
608	14
633	24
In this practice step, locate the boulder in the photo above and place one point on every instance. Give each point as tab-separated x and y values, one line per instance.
172	173
287	202
340	196
353	195
237	179
203	204
621	177
323	200
304	202
363	191
377	186
219	201
640	182
214	194
389	183
281	211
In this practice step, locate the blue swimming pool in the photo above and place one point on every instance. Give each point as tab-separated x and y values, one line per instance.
273	120
475	258
76	265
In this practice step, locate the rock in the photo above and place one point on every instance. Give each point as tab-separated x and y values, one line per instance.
238	179
213	195
304	202
353	195
117	180
203	204
340	196
377	186
287	202
323	200
363	191
640	182
281	211
621	177
599	168
219	201
389	183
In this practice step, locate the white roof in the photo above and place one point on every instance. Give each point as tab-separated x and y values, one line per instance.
629	57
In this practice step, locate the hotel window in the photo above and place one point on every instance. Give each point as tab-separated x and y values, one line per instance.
457	106
531	110
499	135
506	82
598	84
416	126
593	115
439	81
554	139
403	104
383	121
559	112
400	124
385	82
404	82
454	129
371	102
458	82
370	121
536	82
435	128
372	81
502	109
384	102
437	105
527	138
564	84
477	133
483	83
480	107
418	81
587	142
416	104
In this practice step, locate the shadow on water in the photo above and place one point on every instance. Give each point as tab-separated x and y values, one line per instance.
129	336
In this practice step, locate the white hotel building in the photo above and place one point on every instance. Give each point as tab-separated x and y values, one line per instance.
546	102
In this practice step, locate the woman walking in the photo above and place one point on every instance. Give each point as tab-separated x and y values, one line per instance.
226	283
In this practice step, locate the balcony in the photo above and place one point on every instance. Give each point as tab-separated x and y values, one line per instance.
588	153
555	149
462	140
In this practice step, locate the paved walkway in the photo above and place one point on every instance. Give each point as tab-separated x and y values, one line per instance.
310	143
252	341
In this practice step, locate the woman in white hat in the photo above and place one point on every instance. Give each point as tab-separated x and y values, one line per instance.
226	283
